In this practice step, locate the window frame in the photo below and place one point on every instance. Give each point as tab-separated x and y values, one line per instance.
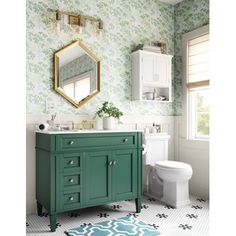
187	124
77	78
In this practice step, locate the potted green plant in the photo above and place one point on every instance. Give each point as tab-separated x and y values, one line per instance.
109	113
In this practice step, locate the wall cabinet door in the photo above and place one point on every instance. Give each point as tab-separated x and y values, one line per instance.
124	174
156	70
162	71
98	177
147	62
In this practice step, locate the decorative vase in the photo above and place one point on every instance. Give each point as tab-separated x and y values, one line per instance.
108	123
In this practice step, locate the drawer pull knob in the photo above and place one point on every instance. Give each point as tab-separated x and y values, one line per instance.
125	140
71	162
114	162
71	180
71	142
71	198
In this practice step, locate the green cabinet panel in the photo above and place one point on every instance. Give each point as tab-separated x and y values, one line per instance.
98	176
124	174
75	171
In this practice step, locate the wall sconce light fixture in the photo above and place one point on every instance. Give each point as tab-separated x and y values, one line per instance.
64	18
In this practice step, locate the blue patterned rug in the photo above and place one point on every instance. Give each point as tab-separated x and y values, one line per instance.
128	225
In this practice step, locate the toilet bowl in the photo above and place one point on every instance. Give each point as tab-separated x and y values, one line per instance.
167	181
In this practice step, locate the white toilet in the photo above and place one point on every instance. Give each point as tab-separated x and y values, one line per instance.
167	181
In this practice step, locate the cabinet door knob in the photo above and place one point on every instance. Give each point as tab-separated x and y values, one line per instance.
125	140
71	180
71	162
71	198
71	142
110	163
114	162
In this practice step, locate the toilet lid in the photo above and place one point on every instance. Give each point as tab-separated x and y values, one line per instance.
173	165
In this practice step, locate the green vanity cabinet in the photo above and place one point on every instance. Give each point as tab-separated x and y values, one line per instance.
78	170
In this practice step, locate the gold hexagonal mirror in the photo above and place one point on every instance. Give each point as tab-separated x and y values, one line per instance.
76	73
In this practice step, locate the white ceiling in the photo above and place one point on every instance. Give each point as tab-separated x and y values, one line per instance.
173	2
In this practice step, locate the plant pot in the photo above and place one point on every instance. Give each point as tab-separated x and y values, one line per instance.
108	123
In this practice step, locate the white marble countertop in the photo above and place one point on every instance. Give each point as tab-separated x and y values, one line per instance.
89	131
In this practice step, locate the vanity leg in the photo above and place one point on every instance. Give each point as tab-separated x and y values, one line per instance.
138	205
39	209
53	222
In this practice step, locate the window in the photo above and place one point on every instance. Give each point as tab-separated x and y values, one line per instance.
78	87
196	86
82	88
198	109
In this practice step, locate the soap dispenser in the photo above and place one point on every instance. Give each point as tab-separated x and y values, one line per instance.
154	129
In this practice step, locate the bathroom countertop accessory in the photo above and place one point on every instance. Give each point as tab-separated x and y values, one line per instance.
43	126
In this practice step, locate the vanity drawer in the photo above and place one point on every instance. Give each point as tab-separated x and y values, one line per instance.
71	198
98	141
71	161
72	180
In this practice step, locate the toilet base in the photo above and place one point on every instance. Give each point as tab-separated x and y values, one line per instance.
176	194
164	201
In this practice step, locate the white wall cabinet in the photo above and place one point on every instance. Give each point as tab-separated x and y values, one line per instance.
151	74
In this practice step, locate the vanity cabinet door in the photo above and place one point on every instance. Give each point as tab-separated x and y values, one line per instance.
124	174
98	177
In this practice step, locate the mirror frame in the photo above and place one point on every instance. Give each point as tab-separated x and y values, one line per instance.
56	72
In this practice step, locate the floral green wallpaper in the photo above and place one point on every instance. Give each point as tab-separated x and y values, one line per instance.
126	23
189	15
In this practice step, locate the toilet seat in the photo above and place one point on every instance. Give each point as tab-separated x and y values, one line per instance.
173	170
175	165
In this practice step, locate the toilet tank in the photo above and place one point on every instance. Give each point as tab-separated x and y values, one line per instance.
156	146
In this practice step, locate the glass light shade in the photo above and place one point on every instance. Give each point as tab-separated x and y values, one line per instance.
58	27
100	33
81	29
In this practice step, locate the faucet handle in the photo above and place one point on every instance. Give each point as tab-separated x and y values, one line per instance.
71	125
